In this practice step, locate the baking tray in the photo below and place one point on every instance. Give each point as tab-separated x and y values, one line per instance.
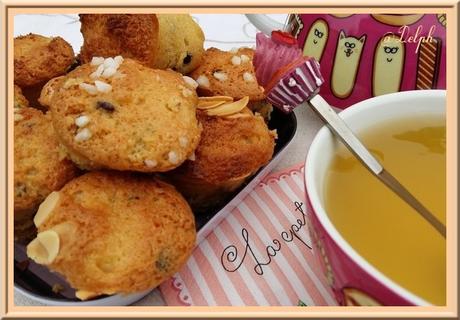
37	282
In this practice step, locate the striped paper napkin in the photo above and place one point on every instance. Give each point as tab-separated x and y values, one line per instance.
261	254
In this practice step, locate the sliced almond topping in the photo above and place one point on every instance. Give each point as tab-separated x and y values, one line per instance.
44	248
85	295
46	207
218	98
204	105
238	115
212	102
229	108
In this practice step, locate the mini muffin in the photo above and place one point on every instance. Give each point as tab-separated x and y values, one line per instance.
113	232
37	59
180	43
159	41
118	114
19	100
234	145
226	73
130	35
40	166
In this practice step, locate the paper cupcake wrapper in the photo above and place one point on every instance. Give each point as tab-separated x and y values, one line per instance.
297	86
270	57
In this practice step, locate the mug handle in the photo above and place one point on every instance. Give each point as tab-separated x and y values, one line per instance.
265	23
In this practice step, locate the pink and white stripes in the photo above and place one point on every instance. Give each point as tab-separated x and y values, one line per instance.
299	85
289	270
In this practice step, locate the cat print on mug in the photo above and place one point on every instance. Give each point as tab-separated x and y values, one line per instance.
316	40
388	65
346	63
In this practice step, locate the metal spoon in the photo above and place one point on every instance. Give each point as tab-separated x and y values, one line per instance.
344	133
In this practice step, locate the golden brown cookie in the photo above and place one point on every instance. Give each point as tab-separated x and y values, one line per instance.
180	43
38	59
129	117
19	100
130	35
226	73
233	146
113	232
40	166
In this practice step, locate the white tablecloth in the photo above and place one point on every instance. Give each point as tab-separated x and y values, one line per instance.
223	31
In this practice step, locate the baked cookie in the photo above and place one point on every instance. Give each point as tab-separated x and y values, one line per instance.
113	232
40	166
130	35
226	73
19	100
119	114
159	41
180	43
234	144
37	59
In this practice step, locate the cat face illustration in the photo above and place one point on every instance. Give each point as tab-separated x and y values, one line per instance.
316	39
350	45
318	35
391	49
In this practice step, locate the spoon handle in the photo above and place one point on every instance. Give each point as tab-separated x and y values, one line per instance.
344	133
